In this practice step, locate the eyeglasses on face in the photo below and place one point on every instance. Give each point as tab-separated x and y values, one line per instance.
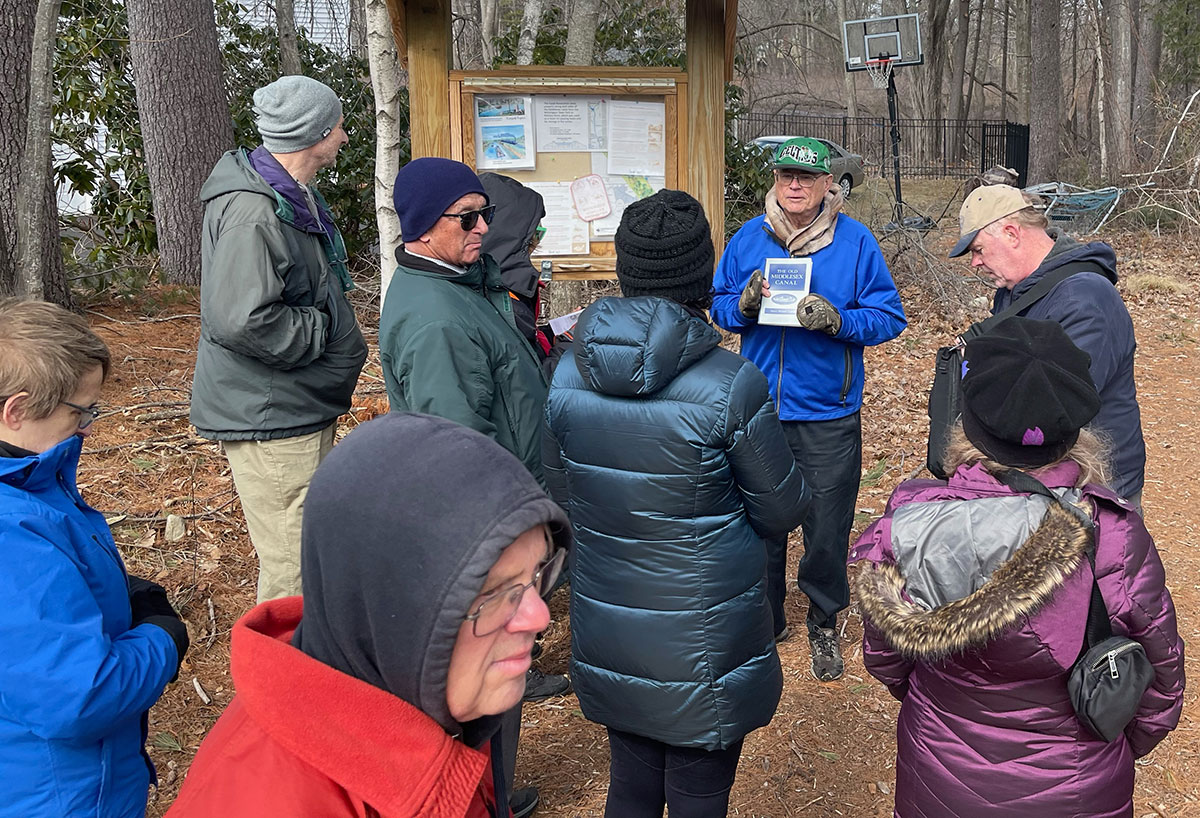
500	606
802	179
87	414
470	218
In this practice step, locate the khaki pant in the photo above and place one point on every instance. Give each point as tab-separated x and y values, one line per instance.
271	477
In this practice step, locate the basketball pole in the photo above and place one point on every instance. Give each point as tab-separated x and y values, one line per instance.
898	213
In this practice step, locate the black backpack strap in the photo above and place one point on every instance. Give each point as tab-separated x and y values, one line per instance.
1048	282
1098	626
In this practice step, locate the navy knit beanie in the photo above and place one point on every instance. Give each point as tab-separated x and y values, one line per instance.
425	188
664	248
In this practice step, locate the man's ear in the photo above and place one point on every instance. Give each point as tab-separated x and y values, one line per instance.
15	411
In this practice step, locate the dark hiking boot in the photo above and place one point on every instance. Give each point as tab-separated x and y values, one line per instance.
826	654
523	802
540	685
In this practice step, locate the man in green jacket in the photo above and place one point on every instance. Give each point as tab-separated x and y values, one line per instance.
448	339
450	347
280	349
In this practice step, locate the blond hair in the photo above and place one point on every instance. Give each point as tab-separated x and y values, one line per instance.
1090	452
45	350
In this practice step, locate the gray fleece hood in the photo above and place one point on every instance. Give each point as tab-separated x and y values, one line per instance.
402	523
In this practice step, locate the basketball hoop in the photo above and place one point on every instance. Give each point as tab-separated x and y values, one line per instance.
879	71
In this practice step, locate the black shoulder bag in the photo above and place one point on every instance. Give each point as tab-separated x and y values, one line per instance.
945	396
1111	674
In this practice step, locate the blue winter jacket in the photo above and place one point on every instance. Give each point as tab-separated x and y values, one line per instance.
75	679
672	464
1090	309
813	376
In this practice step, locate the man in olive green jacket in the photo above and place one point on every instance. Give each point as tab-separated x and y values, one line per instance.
280	349
448	340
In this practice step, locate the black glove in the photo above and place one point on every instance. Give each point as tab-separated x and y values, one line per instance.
149	604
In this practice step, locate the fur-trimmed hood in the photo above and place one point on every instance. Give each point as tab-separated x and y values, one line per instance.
1016	589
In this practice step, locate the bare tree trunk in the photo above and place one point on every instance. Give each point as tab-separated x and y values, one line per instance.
489	29
581	31
178	76
289	50
35	160
387	81
958	68
987	10
467	40
851	89
1145	114
357	35
1004	62
1120	20
1045	120
531	22
1024	42
1102	125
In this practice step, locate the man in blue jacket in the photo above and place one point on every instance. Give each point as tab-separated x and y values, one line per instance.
1009	241
815	370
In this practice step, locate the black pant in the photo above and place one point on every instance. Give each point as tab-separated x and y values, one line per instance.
644	775
829	452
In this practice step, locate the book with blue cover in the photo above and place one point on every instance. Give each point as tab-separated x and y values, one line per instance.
788	280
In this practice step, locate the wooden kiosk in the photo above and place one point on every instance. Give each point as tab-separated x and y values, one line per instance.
446	108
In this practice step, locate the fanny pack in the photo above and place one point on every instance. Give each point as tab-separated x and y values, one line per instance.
1111	674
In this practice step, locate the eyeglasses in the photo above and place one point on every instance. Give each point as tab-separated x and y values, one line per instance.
470	218
501	605
802	179
87	414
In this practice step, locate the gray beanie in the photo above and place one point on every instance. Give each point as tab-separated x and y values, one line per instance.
295	112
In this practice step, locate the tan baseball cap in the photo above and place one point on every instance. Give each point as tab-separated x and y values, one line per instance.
984	205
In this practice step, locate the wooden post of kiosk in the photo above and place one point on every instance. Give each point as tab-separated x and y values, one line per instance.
423	39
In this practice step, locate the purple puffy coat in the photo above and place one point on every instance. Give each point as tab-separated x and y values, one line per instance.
975	600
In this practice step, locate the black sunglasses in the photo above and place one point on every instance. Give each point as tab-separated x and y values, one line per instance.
470	218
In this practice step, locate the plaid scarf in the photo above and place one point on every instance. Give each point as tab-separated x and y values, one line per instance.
806	240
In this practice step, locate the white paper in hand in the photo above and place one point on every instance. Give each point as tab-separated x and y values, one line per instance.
788	279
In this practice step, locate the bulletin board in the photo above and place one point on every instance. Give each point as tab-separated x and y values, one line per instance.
590	139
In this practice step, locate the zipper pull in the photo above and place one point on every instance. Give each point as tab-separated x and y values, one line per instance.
1112	665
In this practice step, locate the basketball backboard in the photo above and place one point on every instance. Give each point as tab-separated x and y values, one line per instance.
896	38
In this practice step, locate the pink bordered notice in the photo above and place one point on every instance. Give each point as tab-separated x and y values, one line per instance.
590	198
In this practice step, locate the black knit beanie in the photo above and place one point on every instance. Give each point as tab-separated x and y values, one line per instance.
1027	392
664	248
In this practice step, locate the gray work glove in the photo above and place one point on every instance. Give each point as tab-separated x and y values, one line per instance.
750	301
816	313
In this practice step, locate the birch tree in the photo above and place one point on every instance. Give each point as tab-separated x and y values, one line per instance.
387	82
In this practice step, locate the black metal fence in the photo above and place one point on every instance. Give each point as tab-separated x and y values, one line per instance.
928	147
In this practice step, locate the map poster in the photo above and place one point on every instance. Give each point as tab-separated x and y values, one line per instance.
570	123
788	279
622	192
504	132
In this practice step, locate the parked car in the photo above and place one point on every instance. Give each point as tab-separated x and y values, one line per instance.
846	167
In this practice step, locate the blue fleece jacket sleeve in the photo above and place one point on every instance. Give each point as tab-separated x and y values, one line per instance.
733	272
876	315
62	676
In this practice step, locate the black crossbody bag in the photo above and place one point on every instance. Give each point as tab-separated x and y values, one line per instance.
945	396
1111	674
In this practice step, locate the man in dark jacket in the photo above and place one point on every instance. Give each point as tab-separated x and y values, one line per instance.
449	342
448	339
280	349
1009	242
674	468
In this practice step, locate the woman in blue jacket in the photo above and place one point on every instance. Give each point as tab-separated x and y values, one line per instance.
86	650
672	464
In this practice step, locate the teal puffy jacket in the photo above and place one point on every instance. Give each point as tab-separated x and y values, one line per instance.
667	454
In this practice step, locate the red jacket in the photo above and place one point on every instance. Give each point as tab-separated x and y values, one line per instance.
302	740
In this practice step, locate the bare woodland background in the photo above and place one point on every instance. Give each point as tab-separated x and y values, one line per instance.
120	108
